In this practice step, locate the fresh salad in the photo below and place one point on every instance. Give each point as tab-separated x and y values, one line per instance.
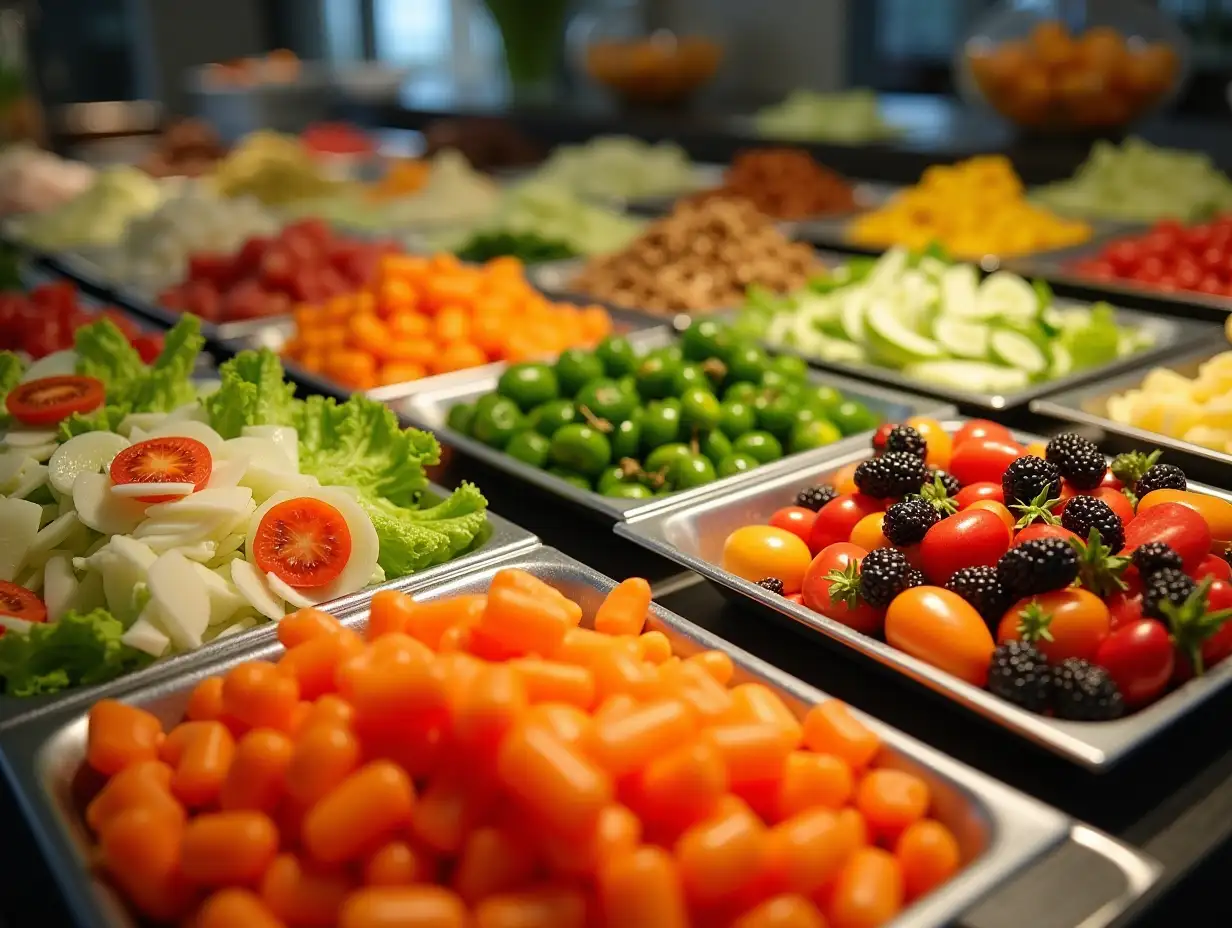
144	514
940	324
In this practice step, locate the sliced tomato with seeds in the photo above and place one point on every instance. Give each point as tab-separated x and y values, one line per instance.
173	459
19	603
305	542
47	400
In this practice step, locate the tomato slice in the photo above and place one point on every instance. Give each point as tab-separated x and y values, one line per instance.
173	459
304	542
20	603
47	400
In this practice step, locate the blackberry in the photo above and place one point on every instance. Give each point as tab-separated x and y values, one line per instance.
905	438
1078	460
1161	477
1020	674
883	575
894	474
1153	557
1037	566
1169	585
948	480
980	587
907	521
1028	478
773	584
1084	692
915	578
1083	513
815	497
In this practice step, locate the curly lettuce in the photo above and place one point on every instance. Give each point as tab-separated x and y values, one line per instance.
81	649
415	539
11	369
251	391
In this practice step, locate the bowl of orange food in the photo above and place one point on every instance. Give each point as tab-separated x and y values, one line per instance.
1098	65
660	69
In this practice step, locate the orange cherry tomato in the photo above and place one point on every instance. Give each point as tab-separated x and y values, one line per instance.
997	509
1076	622
303	541
844	479
756	552
868	533
943	629
1217	512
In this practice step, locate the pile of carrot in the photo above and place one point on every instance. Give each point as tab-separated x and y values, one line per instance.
433	315
485	761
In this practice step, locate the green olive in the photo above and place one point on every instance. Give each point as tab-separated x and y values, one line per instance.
497	422
699	409
607	399
747	363
528	385
762	446
736	417
663	457
692	470
737	464
460	418
552	416
571	477
705	339
660	424
716	446
656	377
581	449
616	355
626	437
776	413
814	434
529	447
575	368
628	491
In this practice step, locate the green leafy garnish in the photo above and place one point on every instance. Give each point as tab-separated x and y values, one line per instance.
1099	567
11	369
81	649
1038	510
1096	341
1193	622
252	391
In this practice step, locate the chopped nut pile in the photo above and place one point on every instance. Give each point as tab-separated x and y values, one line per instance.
701	257
785	183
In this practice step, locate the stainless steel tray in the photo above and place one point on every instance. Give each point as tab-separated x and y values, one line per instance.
1172	336
503	538
1088	405
693	536
428	407
1000	831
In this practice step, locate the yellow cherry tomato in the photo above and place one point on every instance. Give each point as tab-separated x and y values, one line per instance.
1217	512
756	552
844	479
940	444
868	532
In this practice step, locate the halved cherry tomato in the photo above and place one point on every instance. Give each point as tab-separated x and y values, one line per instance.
1077	621
943	629
971	538
1140	659
980	429
837	519
303	541
997	509
173	459
20	603
1042	530
1180	526
816	589
984	489
983	459
1217	512
47	400
795	519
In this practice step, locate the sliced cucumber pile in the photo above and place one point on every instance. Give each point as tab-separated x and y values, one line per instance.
938	322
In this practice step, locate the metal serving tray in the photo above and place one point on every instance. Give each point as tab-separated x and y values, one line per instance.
1000	831
428	407
1088	405
502	539
693	536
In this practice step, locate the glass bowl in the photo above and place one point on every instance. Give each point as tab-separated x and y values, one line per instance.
1073	65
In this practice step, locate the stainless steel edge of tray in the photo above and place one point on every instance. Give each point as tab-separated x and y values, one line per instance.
1173	335
428	407
1000	830
503	538
1087	405
693	536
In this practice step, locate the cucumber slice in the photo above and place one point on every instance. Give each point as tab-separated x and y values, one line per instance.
1008	295
959	287
891	342
888	268
89	452
1062	361
933	267
851	313
1016	350
837	350
969	376
962	338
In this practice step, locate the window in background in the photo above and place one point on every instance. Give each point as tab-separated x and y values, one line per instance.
344	33
446	38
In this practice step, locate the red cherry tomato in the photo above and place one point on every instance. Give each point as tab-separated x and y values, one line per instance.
1213	566
795	519
1176	525
20	603
174	459
1042	530
983	460
1077	622
816	590
972	538
1124	608
1110	480
997	509
985	489
48	400
1117	501
879	436
837	518
1140	659
1219	645
303	541
979	429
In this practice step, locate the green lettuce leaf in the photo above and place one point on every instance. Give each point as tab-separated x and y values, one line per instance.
167	383
11	369
415	539
105	353
1096	341
104	419
82	649
252	392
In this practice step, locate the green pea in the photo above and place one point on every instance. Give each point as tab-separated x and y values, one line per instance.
581	449
775	413
528	385
552	416
575	368
628	491
814	434
571	477
460	418
736	417
762	446
704	339
853	417
606	399
716	446
660	424
737	463
689	376
743	392
699	409
616	355
626	438
663	457
529	447
656	377
790	367
694	470
497	422
747	363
